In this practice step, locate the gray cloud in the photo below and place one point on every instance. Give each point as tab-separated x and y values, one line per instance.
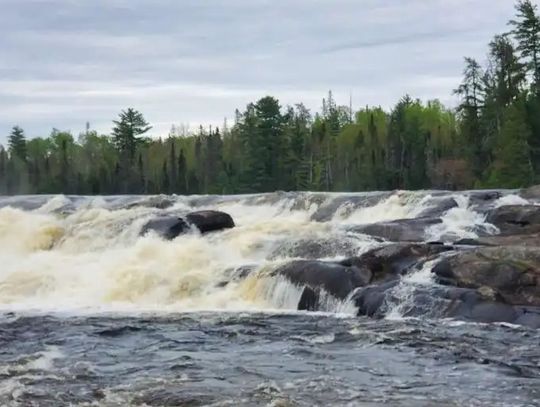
65	62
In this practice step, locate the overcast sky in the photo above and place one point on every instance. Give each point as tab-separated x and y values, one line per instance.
66	62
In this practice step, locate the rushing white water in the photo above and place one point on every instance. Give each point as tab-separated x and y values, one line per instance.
460	222
402	298
73	253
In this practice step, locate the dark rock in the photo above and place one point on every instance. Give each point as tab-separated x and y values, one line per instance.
493	312
169	227
237	274
334	278
513	272
309	300
524	239
391	261
315	248
482	197
473	242
402	230
471	305
156	201
369	300
350	203
438	208
210	221
516	219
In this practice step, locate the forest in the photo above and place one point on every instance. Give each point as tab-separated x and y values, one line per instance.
491	139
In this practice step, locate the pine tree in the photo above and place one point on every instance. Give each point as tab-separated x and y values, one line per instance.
508	73
512	167
127	131
472	94
527	33
17	143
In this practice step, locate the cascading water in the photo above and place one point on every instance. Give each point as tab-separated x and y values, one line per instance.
87	253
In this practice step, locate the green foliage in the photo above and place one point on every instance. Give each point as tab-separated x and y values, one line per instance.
17	143
512	167
491	139
527	34
126	131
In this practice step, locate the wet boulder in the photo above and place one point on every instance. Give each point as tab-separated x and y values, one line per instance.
335	279
485	305
516	219
464	304
210	221
523	239
475	306
438	208
389	262
315	248
346	204
402	230
483	198
370	300
154	201
512	272
169	227
235	274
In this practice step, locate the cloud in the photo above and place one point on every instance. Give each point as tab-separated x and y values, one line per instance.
65	62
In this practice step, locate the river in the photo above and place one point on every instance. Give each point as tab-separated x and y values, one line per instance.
94	314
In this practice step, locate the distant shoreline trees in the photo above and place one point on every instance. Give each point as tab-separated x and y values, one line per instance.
492	139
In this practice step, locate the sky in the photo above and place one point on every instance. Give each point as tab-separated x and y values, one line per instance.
64	63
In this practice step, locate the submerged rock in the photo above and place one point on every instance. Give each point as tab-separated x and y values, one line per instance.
169	227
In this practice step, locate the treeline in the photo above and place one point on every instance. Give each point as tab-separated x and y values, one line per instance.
491	140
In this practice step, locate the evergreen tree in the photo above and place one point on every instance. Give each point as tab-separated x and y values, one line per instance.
512	167
527	33
127	131
472	94
17	143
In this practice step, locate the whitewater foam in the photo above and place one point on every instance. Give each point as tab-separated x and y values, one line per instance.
92	257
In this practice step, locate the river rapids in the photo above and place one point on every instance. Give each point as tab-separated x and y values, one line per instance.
94	313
